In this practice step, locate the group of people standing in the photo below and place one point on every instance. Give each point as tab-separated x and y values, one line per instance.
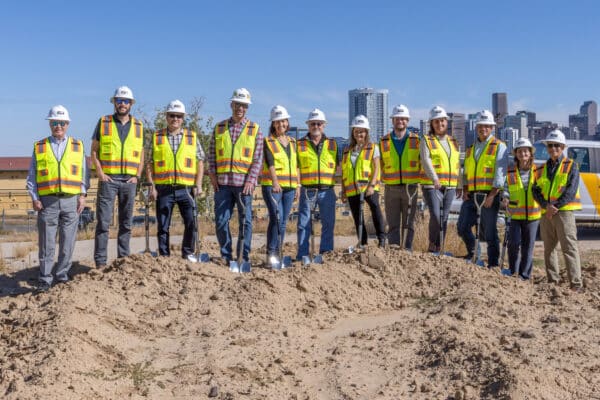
239	158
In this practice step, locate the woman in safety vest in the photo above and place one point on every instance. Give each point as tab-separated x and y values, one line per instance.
360	177
525	212
279	179
440	163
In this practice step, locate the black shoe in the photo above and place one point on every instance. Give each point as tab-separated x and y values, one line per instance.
42	287
63	280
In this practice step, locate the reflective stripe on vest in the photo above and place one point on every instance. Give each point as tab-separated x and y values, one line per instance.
356	178
235	157
400	170
54	176
116	157
317	169
553	189
521	203
480	173
446	167
286	169
174	169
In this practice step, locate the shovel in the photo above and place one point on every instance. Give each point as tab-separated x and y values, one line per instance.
280	262
410	197
359	246
507	217
240	266
312	201
476	252
440	196
198	257
146	195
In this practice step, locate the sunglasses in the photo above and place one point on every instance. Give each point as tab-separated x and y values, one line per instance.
59	123
551	145
122	101
316	123
175	116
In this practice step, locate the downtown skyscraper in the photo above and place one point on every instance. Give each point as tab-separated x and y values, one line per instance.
372	103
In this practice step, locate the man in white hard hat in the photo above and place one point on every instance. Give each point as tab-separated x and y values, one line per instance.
118	157
484	173
176	177
557	191
317	162
235	156
57	183
400	173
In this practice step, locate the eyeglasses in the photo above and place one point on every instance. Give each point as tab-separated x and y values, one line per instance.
316	123
60	123
240	105
175	116
123	101
551	145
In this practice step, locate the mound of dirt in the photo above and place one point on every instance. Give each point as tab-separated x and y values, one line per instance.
385	324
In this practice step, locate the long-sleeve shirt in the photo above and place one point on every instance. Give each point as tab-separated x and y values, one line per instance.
425	155
175	140
233	179
568	195
501	162
58	148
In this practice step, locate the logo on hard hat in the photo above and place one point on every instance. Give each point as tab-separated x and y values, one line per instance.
278	113
60	112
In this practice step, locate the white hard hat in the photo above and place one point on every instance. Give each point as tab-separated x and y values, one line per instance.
437	112
523	142
400	111
278	113
556	136
360	121
241	95
58	113
123	92
176	106
485	117
316	115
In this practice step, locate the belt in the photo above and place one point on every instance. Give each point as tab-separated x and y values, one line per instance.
318	187
60	195
172	187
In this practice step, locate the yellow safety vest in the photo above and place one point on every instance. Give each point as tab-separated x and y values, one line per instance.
116	157
398	169
174	169
480	173
317	169
446	167
356	178
59	176
235	157
521	203
286	168
553	189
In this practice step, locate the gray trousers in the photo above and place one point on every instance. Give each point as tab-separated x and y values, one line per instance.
396	213
433	201
107	192
59	214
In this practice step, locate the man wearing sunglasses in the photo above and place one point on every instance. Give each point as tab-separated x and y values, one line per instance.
118	157
57	183
176	177
317	161
235	156
557	191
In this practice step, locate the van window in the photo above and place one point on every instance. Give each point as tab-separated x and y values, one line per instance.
581	155
540	151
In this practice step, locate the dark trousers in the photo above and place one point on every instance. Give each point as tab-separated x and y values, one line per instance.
373	202
521	240
168	197
467	219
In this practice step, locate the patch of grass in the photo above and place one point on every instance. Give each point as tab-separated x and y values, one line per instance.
21	251
425	302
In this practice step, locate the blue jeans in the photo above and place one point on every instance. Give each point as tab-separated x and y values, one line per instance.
468	219
167	198
325	200
225	199
283	202
521	240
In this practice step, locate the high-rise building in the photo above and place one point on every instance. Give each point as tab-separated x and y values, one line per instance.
590	109
530	115
372	103
499	108
470	130
456	128
518	122
509	136
424	127
579	123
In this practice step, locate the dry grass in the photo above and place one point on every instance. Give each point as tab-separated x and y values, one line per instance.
21	251
3	263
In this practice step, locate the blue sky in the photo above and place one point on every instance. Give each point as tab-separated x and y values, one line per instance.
302	55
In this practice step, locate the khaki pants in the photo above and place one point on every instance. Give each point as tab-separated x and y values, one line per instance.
561	228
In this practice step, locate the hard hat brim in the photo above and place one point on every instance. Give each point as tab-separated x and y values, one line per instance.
400	116
58	119
280	118
442	117
233	100
485	123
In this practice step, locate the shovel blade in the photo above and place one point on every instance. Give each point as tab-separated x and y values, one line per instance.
305	261
204	258
234	267
274	263
318	259
350	250
286	262
246	267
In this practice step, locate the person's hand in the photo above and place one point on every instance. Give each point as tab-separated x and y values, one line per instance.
133	179
37	205
489	200
152	194
505	202
197	190
370	191
104	177
214	183
459	193
248	189
343	198
550	211
436	184
465	195
80	204
276	187
297	194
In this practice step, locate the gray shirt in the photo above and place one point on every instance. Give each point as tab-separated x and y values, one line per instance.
58	148
501	161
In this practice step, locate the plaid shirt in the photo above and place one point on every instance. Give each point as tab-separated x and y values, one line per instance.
232	179
175	141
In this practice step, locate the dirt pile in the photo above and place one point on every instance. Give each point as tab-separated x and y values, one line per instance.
382	325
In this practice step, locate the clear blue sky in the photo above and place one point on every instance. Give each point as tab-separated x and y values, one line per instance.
307	54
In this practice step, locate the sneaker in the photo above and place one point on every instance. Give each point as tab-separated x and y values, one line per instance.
42	287
62	280
506	272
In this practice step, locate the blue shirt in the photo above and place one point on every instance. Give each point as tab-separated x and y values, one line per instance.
399	143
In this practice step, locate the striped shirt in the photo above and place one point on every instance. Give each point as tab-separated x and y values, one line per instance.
233	179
